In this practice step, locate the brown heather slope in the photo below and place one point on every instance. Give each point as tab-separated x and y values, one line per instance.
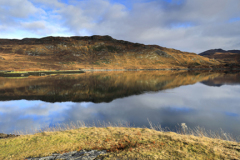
229	58
97	52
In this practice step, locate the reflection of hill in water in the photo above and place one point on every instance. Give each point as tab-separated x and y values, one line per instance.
224	78
96	87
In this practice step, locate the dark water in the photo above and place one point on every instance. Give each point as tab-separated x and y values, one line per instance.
206	99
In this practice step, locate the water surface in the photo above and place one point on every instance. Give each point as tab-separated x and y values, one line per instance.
207	99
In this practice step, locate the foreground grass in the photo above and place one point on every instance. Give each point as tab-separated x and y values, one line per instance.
121	142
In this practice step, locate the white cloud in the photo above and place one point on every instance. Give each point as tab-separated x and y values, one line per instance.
49	3
44	27
12	9
34	25
191	25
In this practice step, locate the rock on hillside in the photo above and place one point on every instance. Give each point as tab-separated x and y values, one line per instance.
98	52
2	135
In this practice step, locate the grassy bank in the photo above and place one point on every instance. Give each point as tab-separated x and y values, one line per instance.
36	73
122	142
54	72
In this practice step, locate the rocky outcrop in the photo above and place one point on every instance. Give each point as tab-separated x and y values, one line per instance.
81	155
62	40
2	135
163	54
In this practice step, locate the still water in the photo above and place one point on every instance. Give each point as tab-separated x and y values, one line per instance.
167	98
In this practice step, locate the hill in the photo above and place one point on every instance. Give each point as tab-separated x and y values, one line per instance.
229	57
95	52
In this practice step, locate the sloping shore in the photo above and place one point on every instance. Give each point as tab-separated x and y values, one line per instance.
120	143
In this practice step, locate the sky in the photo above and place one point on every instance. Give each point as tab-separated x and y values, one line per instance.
187	25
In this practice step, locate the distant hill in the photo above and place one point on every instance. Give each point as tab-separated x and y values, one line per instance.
229	56
97	52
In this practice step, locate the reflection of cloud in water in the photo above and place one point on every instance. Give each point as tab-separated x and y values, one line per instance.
25	115
231	114
86	104
209	107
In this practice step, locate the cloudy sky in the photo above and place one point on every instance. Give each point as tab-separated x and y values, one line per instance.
187	25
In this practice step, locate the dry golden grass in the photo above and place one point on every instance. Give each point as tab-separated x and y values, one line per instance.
120	142
97	55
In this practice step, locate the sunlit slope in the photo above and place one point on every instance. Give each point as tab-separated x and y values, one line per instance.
96	87
98	52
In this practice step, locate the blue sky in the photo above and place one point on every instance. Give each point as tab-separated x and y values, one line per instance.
187	25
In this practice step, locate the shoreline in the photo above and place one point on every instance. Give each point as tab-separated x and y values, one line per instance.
118	142
161	69
12	73
182	129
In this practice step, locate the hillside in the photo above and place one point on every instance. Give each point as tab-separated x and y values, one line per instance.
97	52
229	57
